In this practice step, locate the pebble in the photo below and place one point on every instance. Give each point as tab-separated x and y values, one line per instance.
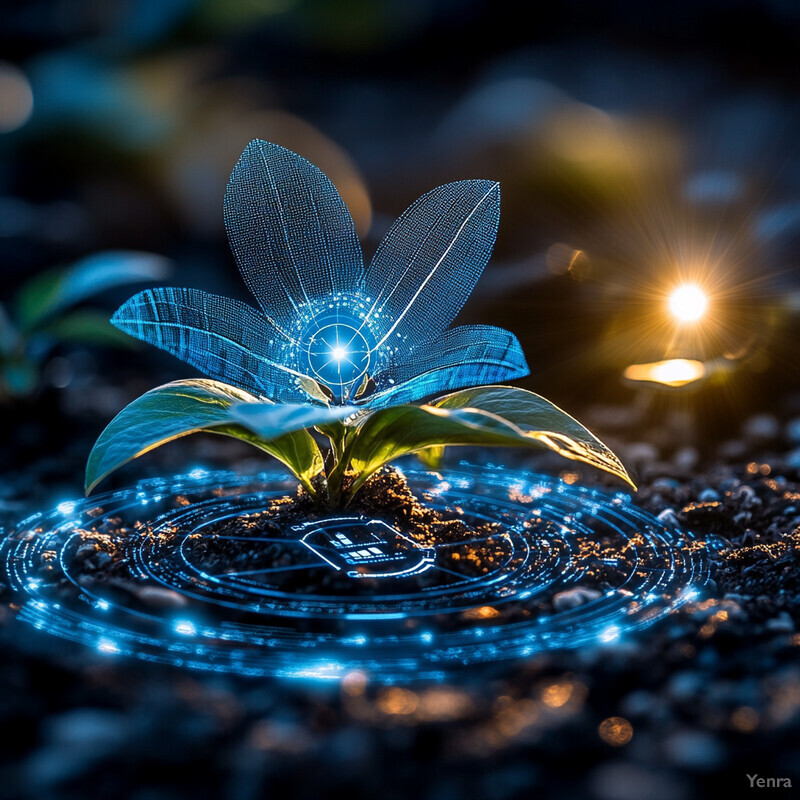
685	685
793	430
617	780
745	496
761	427
793	459
85	551
668	518
641	453
729	484
74	740
733	609
157	597
695	750
638	704
732	450
686	458
783	623
665	485
572	598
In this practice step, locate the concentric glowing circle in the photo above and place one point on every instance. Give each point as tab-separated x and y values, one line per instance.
688	303
338	355
203	579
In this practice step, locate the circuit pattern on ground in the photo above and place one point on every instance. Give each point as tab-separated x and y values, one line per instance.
333	595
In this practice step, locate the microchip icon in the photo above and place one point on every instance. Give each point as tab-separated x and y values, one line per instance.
367	548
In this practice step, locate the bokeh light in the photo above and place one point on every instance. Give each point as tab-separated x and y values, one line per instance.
16	98
674	372
616	731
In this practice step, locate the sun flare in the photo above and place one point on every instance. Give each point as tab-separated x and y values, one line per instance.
688	303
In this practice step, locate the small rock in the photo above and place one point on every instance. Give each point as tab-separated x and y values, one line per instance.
729	484
793	459
793	430
641	453
733	609
686	459
732	450
668	518
161	598
638	703
783	623
85	551
746	496
686	685
708	496
694	750
572	598
761	427
665	485
619	780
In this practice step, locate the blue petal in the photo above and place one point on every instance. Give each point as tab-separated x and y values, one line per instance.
224	339
271	421
472	355
290	231
428	264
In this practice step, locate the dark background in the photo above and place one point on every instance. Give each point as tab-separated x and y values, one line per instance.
658	140
639	146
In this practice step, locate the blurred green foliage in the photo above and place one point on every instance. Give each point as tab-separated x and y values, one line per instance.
48	311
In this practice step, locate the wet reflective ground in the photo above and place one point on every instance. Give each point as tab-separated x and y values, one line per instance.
151	573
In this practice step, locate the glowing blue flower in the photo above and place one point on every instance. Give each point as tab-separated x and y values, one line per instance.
373	336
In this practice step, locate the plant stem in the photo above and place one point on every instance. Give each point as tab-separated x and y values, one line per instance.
337	435
335	487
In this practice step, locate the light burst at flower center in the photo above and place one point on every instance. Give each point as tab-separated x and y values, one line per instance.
338	355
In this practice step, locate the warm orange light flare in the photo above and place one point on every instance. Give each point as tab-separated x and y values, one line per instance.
674	372
688	303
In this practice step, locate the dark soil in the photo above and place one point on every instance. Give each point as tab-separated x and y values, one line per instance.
685	709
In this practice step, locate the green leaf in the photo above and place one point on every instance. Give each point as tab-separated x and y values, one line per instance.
500	416
269	420
56	290
87	327
183	407
431	457
541	421
314	389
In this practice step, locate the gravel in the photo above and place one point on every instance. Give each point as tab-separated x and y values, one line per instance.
705	697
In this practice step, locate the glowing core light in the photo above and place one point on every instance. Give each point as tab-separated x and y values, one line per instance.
338	355
688	303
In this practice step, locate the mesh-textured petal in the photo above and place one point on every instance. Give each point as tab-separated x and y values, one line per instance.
428	264
290	231
472	355
224	339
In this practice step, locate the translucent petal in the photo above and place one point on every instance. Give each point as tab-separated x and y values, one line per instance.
270	421
224	339
290	231
472	355
428	264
